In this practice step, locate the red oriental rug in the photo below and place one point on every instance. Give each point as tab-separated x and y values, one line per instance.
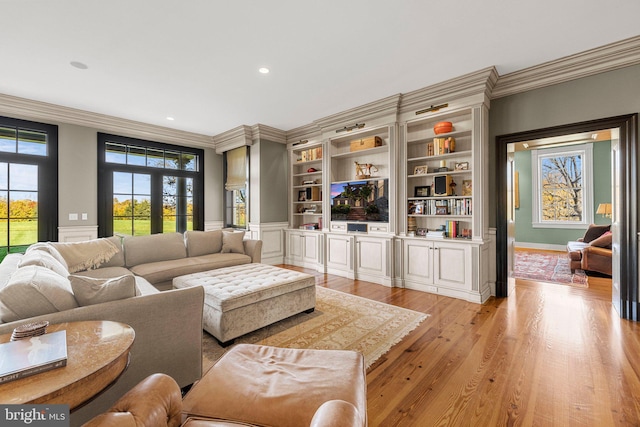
550	267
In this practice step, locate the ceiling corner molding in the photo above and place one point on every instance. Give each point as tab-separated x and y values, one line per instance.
624	53
380	108
56	114
233	138
309	132
478	82
268	133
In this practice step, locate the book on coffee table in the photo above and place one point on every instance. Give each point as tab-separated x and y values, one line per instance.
30	356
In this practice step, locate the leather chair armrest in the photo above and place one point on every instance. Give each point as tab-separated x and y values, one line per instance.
154	401
337	413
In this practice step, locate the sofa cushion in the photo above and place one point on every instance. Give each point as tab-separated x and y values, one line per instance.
34	290
91	290
203	242
118	259
158	272
603	241
44	259
232	242
47	247
595	231
153	248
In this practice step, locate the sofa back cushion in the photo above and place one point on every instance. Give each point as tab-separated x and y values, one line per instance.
43	259
34	290
118	259
153	248
203	242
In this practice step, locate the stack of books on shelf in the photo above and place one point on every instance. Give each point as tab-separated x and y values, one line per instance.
311	154
452	228
309	226
441	146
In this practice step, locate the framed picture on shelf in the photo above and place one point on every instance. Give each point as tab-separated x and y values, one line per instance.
419	208
302	195
442	210
421	170
462	166
421	232
467	187
422	191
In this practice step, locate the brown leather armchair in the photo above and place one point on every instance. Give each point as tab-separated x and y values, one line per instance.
253	385
592	252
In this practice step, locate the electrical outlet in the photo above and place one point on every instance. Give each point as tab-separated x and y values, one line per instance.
432	289
85	216
73	217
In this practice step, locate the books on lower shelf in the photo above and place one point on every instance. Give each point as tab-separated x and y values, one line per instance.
22	358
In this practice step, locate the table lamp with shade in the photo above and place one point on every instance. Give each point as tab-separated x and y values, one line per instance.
604	209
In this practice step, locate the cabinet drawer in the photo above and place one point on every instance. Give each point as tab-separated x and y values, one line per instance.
378	228
339	227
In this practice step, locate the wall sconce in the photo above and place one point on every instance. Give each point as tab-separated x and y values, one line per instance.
604	209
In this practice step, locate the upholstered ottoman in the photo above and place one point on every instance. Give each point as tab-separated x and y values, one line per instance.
244	298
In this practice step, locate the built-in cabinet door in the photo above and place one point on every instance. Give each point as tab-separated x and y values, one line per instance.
294	248
339	250
373	259
452	265
418	261
310	248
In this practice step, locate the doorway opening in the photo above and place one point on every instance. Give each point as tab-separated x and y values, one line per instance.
559	184
624	200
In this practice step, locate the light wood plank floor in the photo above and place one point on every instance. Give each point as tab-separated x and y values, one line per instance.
548	355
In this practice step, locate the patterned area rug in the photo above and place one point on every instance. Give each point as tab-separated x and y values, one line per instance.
340	321
547	267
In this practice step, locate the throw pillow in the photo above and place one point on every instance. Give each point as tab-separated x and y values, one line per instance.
232	242
91	290
34	290
603	241
43	259
595	231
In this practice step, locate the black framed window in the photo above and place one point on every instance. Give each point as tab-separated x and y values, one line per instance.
28	184
146	187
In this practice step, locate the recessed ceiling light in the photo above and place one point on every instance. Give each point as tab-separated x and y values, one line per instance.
79	65
170	118
263	70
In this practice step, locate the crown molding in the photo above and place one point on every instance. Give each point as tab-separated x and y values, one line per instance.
44	112
380	108
233	138
624	53
268	133
478	82
309	132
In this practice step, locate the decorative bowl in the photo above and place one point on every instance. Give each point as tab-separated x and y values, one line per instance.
443	127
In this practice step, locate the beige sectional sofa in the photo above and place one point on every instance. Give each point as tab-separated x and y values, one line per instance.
121	280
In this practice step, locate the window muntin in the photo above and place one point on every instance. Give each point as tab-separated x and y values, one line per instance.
150	187
23	141
138	155
562	179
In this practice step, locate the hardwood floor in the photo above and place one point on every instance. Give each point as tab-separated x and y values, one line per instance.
548	355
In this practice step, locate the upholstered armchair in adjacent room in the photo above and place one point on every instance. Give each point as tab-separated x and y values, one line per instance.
593	251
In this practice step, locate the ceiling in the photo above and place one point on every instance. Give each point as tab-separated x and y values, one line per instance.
197	60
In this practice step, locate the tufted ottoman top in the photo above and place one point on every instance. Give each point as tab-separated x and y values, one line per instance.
232	287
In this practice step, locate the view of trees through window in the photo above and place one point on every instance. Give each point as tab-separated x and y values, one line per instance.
28	184
151	187
561	178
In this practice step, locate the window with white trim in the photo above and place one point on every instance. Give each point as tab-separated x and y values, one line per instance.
562	187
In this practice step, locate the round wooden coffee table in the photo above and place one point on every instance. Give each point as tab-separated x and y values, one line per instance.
97	353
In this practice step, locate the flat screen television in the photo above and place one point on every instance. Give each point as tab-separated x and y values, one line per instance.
360	201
